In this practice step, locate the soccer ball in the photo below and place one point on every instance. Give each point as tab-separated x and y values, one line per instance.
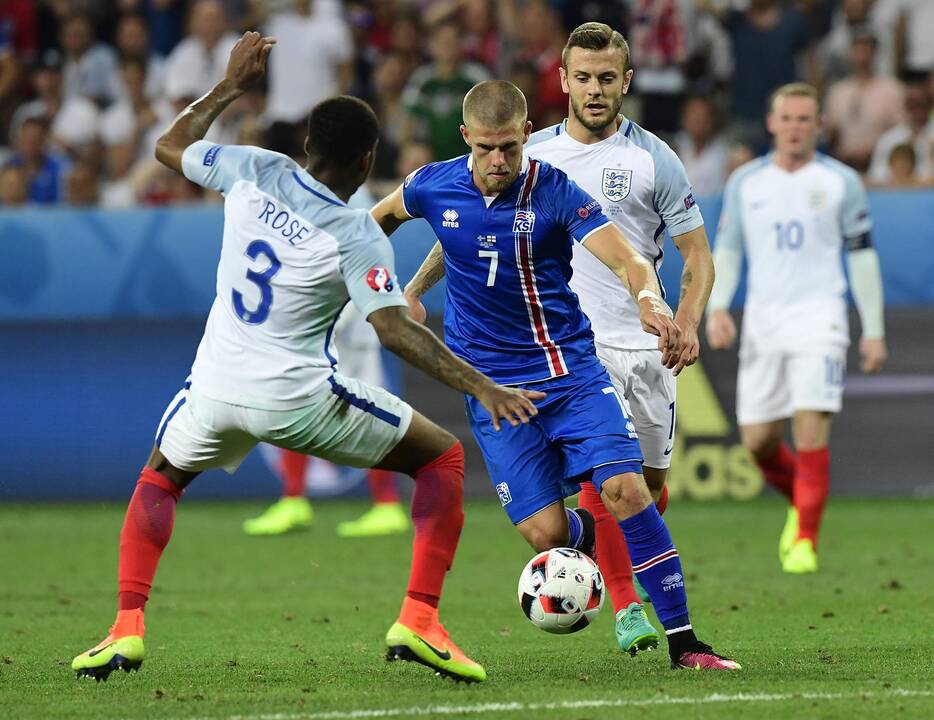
561	590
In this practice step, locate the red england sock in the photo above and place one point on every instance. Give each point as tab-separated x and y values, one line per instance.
812	484
662	503
383	488
147	528
293	467
612	553
438	516
779	470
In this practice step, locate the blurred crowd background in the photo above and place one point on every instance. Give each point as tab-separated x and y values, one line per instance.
86	86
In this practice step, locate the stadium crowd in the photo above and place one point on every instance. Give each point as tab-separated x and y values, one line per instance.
86	86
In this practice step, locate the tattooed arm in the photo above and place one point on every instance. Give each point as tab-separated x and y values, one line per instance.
696	283
429	273
420	347
246	65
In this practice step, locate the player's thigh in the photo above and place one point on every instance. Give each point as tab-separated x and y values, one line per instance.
763	387
546	529
525	470
650	401
589	423
345	421
817	379
197	433
423	442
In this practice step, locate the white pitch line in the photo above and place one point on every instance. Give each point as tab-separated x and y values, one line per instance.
479	709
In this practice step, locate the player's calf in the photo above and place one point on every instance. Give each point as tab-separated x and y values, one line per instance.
656	563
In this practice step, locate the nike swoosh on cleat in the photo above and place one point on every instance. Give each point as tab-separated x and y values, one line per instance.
98	651
445	655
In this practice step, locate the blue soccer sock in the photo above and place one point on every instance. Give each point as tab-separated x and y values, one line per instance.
575	527
656	563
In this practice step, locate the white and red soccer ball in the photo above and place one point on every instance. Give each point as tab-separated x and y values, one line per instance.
561	590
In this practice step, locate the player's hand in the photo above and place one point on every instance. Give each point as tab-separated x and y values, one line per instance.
691	345
656	318
416	308
872	353
721	330
513	405
247	62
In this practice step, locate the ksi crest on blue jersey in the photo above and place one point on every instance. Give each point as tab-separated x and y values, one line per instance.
616	183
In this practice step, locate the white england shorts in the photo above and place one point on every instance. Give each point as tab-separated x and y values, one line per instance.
773	384
345	421
648	389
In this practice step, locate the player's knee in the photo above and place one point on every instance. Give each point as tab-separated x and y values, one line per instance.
655	479
625	495
546	537
761	445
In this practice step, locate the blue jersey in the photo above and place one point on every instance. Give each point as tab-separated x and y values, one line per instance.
509	311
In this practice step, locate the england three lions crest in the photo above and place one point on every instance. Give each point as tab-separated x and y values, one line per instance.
616	183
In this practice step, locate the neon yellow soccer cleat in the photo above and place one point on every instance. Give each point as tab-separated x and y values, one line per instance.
381	519
284	515
789	533
122	649
801	558
430	645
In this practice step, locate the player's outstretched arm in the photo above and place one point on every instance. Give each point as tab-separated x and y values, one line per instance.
696	284
866	286
612	248
429	273
247	64
420	347
390	212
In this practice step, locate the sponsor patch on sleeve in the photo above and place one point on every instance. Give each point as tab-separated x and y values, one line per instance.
211	155
585	211
689	201
379	279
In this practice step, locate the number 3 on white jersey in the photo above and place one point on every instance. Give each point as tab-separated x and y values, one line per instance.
494	263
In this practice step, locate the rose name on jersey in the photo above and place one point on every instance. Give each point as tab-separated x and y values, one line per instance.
281	220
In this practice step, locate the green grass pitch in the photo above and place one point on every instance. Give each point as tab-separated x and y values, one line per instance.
292	627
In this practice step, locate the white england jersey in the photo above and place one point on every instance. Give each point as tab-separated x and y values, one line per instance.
793	227
642	187
292	256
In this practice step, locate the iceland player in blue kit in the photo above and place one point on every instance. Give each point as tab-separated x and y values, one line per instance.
507	225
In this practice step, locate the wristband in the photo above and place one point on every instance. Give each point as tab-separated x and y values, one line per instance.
648	294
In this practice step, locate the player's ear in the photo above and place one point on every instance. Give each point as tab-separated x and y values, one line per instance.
527	131
465	135
627	79
564	80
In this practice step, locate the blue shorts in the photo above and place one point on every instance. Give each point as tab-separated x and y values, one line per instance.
581	433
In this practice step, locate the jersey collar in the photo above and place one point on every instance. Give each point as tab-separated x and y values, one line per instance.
625	128
315	187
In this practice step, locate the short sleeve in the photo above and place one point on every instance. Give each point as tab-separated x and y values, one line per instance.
574	209
730	228
855	222
218	167
674	198
368	267
410	188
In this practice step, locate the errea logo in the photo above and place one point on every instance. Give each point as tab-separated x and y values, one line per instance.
450	219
